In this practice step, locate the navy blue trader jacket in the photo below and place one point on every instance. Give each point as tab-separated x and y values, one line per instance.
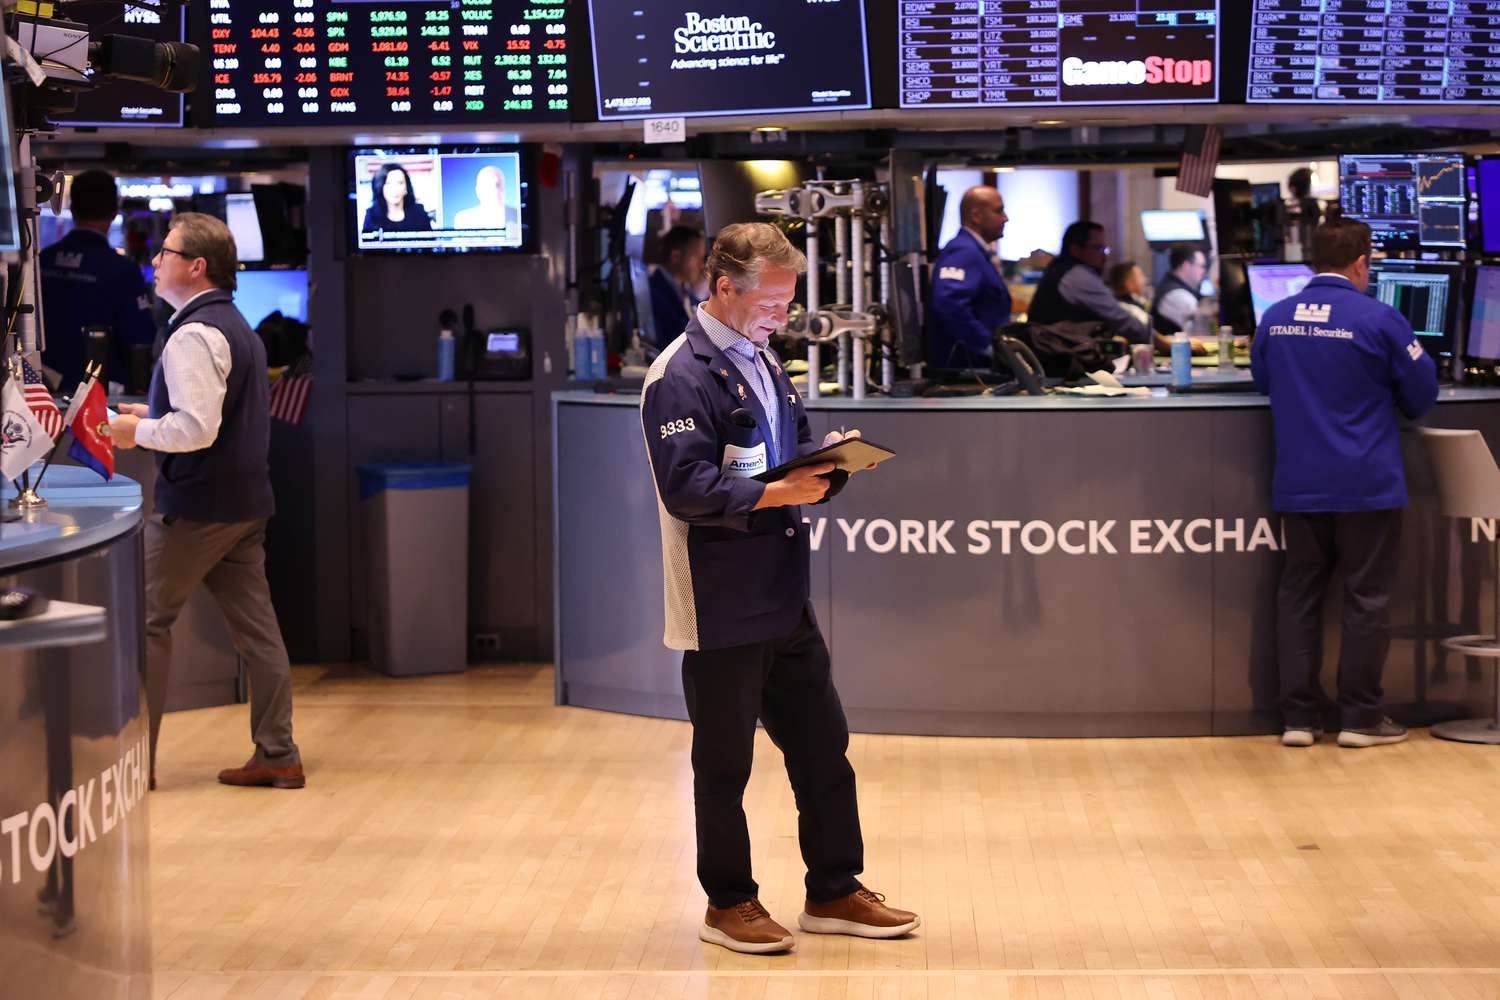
969	303
85	283
731	575
1336	365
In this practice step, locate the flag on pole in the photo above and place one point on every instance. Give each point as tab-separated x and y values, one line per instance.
90	423
39	397
23	440
289	398
1200	160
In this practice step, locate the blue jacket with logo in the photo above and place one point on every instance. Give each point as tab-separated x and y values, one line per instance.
85	283
1337	364
969	303
731	575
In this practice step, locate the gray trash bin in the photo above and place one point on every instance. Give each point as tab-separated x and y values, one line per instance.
416	518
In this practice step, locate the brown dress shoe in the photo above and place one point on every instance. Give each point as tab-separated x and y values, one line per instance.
256	773
746	928
862	914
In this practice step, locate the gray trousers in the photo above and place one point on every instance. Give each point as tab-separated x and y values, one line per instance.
230	560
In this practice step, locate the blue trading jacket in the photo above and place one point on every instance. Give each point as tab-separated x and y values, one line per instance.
1336	365
731	575
669	317
85	283
969	303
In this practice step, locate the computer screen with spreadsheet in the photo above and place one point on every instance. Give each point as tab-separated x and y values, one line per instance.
1427	294
1484	320
1271	283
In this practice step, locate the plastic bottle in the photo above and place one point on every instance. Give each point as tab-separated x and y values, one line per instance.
1182	360
447	355
583	350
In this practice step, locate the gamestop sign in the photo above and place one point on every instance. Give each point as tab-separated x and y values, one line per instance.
1153	72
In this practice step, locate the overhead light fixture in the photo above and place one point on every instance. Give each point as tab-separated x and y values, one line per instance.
768	133
1050	121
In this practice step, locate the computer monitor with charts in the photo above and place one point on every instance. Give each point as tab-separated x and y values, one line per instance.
1426	292
1484	319
1270	283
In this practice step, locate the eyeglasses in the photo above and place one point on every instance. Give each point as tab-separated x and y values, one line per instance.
184	256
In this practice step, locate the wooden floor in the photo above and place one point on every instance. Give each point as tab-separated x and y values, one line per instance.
462	837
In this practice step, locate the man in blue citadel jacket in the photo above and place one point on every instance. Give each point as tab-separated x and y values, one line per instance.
969	298
1337	365
718	408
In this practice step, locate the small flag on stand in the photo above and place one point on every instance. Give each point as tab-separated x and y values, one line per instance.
88	416
289	398
23	440
39	397
1200	160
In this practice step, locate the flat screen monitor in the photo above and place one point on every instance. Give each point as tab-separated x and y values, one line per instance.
1487	185
10	222
244	226
441	200
261	293
1362	53
1271	283
989	55
1427	293
126	102
416	62
1409	200
1484	318
680	57
1167	226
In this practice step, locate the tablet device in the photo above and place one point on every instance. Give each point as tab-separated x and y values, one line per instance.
851	455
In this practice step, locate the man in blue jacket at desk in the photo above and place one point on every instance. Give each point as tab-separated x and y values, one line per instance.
717	408
969	298
1337	365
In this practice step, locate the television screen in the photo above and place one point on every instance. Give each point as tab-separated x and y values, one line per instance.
1484	320
1427	294
422	62
975	55
450	200
1271	283
10	218
676	57
1487	184
1165	226
1409	200
126	102
244	226
261	293
1358	53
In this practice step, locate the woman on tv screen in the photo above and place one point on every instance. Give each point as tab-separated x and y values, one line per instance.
394	208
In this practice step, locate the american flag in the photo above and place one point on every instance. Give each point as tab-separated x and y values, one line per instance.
289	398
1200	160
39	398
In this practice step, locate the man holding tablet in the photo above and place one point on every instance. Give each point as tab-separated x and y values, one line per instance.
716	407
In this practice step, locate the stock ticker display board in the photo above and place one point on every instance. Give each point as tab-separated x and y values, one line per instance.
427	62
1013	53
1374	51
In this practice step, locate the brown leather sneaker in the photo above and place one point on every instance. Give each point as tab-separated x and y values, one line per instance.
258	774
746	928
862	914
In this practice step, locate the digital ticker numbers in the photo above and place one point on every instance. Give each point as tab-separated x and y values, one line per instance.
321	62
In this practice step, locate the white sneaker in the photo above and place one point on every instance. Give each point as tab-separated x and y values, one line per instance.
1295	737
1380	734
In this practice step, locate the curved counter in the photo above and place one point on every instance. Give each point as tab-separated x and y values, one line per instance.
1057	566
74	891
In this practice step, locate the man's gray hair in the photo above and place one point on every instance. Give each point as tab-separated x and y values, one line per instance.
744	250
205	236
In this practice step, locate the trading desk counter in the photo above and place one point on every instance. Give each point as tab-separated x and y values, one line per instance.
75	921
1054	566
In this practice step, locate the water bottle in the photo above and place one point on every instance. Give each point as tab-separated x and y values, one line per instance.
598	365
1182	360
583	350
447	355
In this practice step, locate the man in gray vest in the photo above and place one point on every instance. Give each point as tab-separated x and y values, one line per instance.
208	421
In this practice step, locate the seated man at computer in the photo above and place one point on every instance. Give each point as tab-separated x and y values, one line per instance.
1072	288
969	298
680	272
1177	295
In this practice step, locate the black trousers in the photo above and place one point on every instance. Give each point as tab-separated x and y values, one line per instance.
788	684
1363	547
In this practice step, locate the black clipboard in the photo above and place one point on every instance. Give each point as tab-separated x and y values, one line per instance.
850	455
